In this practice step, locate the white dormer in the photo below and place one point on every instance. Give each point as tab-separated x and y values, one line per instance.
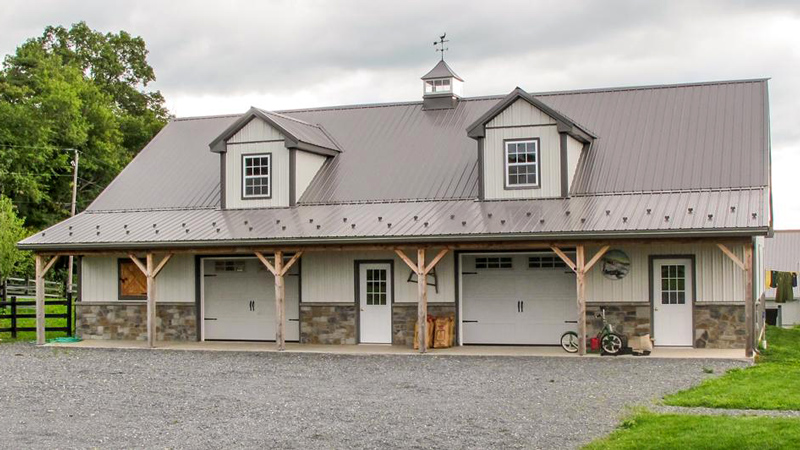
441	87
268	160
527	149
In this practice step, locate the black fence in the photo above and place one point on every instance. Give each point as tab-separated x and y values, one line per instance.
13	308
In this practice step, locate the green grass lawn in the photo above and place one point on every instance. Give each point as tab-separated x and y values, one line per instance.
647	430
773	383
31	335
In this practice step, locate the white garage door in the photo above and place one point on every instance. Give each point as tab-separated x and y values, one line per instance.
524	299
239	300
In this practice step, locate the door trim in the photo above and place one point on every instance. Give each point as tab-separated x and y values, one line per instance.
357	289
651	259
200	288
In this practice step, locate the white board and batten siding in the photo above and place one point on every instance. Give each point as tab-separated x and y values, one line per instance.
330	277
100	279
522	120
718	278
306	167
259	137
256	137
574	150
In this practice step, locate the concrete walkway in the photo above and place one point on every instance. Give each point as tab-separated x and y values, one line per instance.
667	409
376	349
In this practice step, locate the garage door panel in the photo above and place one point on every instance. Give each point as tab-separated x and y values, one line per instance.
230	285
517	304
486	332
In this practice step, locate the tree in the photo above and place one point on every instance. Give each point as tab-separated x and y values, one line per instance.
12	260
72	88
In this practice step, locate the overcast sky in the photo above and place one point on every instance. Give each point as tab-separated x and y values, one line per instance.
214	57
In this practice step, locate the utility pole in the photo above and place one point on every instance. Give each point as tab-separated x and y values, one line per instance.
72	213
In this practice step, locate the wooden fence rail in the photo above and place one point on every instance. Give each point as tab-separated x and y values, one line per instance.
26	287
28	308
17	302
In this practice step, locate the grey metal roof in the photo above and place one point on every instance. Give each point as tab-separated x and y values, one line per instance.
654	214
174	170
659	138
303	131
664	148
441	70
692	136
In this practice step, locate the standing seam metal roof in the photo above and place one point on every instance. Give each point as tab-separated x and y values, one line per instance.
702	212
659	138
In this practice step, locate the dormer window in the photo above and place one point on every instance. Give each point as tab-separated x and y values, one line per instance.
257	176
522	163
437	86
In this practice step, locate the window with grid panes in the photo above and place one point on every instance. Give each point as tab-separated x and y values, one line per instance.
522	163
376	286
545	262
256	176
673	284
493	262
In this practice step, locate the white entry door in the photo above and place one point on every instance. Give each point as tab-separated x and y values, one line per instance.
673	296
375	302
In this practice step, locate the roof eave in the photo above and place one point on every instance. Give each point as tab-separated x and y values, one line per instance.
590	235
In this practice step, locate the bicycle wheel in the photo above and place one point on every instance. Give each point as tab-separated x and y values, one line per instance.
569	342
612	344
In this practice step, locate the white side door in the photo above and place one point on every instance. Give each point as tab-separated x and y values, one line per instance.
375	303
673	296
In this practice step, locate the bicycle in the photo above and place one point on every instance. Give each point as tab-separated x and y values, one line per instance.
610	341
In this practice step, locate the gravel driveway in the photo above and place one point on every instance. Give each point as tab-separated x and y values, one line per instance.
171	399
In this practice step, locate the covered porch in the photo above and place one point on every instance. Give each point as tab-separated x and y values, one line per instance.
421	259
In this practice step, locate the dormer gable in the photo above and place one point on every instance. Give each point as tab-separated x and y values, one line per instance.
527	149
268	159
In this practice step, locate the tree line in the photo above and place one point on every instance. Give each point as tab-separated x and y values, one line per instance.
69	89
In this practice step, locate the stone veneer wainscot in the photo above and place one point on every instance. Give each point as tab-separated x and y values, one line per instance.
127	320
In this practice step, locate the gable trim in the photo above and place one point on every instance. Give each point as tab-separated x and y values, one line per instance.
564	123
220	143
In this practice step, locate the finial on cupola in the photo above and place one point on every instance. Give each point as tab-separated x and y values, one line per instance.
442	88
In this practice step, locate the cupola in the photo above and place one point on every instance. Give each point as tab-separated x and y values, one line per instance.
441	87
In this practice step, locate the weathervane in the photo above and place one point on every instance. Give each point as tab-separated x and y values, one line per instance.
440	43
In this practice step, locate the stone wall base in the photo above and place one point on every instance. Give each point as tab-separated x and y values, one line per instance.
128	321
328	324
719	326
629	320
404	317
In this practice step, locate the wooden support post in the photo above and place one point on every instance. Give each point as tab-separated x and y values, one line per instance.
151	301
422	270
41	270
422	300
580	275
279	270
280	303
749	300
39	300
151	271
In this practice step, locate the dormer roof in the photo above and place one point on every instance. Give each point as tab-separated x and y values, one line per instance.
441	70
565	124
298	134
